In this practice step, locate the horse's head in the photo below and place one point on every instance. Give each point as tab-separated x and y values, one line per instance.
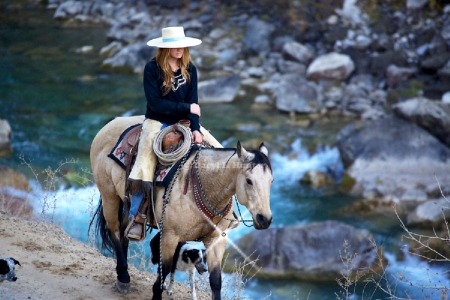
253	184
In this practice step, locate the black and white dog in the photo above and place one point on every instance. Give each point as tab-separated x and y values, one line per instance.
7	269
187	257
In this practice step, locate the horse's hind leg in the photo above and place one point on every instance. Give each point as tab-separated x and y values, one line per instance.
112	211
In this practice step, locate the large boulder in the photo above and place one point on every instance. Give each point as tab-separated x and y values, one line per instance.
394	161
294	94
431	115
257	36
308	252
219	90
130	58
5	138
330	66
430	214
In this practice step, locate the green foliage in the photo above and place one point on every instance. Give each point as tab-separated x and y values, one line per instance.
414	89
347	183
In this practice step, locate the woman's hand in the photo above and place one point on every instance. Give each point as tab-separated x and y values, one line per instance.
195	109
198	138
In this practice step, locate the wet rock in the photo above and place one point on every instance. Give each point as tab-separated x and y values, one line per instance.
395	75
317	179
416	4
380	62
350	13
222	89
434	63
256	39
297	52
69	9
309	252
297	94
331	66
433	116
5	138
130	58
389	156
430	214
111	49
286	67
446	98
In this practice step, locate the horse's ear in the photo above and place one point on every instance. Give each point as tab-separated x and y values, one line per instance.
243	154
263	149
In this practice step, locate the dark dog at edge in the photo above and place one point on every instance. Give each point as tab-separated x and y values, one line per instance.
7	269
187	258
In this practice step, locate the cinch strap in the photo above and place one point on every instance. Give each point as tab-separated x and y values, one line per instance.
173	39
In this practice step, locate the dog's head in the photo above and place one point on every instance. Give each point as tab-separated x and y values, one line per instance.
7	267
198	259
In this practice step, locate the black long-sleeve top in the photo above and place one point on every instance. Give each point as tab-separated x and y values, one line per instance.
175	105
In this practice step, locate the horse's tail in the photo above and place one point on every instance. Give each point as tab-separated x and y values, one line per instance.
101	228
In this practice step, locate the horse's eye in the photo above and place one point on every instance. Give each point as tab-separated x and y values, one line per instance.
249	182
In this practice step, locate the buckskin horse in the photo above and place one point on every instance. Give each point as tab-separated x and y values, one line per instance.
201	212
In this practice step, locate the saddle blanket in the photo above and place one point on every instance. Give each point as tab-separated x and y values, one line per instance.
163	175
117	154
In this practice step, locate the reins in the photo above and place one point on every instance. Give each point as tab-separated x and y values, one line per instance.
166	198
205	199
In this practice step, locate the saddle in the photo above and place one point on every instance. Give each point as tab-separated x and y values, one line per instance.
130	140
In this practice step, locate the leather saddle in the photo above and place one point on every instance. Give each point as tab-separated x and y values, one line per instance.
130	140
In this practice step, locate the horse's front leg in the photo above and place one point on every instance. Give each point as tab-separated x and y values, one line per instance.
168	246
215	249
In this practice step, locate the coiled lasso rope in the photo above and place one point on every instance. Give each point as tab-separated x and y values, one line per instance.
167	159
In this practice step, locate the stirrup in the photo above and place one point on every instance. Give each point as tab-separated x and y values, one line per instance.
137	220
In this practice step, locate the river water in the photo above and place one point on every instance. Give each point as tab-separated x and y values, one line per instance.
57	99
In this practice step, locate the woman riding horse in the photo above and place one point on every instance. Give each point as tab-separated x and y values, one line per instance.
170	84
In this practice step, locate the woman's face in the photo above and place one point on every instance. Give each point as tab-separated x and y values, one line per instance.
176	53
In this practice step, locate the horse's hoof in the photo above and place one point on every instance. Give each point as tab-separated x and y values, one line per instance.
120	287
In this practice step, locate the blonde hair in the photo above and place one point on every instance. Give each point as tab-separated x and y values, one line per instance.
162	59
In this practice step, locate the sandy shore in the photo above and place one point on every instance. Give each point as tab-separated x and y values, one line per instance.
55	266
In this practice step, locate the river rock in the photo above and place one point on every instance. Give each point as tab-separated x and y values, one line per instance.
317	179
14	188
130	58
389	156
297	52
395	75
297	94
307	252
5	138
430	214
69	9
331	66
416	4
256	39
222	89
433	116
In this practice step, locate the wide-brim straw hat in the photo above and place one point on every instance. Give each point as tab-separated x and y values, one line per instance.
173	37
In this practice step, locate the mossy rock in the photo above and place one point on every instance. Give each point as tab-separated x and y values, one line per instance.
347	183
13	179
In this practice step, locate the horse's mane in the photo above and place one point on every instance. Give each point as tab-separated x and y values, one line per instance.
259	159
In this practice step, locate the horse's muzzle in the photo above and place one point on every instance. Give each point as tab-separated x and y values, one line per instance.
262	222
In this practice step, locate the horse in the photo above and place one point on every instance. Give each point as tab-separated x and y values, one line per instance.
220	173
